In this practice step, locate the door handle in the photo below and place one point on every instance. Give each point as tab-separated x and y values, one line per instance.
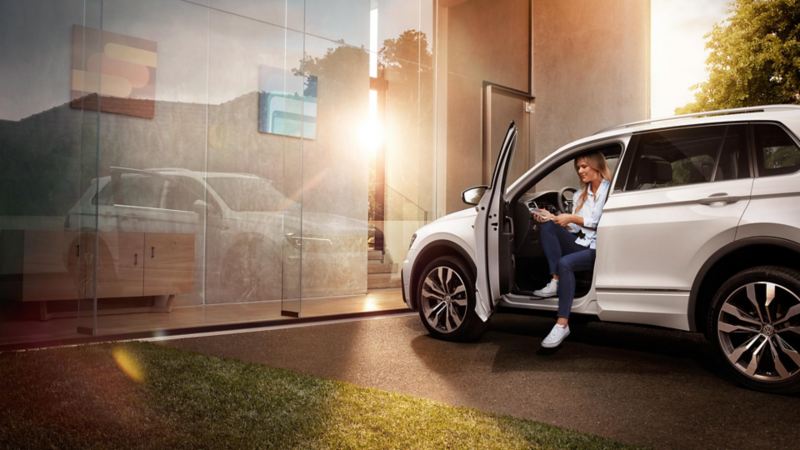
720	198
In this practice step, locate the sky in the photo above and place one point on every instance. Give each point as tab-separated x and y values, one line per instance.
678	52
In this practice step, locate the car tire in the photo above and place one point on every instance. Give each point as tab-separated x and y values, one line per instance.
754	326
251	272
446	299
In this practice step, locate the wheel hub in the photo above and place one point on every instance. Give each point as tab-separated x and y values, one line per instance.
757	327
444	299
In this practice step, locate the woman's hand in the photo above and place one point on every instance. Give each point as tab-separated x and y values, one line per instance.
542	215
564	219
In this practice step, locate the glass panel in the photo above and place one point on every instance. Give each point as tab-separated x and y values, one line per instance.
152	201
776	152
270	11
334	226
341	21
401	101
251	168
48	145
682	156
199	163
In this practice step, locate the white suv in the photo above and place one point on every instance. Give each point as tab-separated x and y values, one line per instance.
701	232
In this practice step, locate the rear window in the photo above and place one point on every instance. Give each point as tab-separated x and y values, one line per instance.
688	156
776	152
131	189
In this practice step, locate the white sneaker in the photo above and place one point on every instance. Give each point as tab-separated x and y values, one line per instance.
548	291
556	336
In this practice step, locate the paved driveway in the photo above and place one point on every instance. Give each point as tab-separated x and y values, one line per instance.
637	385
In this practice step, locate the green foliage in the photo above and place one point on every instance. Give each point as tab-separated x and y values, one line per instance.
410	47
79	398
778	157
754	57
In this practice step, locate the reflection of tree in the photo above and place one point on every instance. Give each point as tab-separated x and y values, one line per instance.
410	46
337	67
406	62
406	71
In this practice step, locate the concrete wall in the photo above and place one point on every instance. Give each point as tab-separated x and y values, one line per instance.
486	41
589	68
591	65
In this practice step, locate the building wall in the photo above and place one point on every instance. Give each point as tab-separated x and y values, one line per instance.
590	67
589	70
486	41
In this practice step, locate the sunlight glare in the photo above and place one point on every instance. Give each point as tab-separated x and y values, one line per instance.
128	364
370	132
370	303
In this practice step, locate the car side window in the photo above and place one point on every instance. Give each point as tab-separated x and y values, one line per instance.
135	189
181	194
776	152
688	156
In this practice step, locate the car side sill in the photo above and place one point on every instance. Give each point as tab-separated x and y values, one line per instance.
663	308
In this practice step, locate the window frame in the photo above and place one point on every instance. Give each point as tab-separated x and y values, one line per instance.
751	140
634	150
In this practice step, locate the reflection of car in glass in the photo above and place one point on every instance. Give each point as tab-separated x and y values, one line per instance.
254	235
700	233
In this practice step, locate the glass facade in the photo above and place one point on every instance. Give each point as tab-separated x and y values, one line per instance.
170	164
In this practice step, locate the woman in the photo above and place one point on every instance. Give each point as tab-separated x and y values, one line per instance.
573	250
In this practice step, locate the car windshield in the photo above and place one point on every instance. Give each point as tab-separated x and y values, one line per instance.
246	193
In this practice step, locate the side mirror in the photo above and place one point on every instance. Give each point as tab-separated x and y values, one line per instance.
473	195
200	207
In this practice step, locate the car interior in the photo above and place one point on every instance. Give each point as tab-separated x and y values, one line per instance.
529	264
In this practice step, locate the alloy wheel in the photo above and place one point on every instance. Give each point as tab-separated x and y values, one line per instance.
444	299
758	327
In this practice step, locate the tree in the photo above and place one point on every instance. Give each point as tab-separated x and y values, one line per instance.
754	57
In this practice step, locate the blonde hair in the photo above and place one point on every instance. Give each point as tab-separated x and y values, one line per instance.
597	162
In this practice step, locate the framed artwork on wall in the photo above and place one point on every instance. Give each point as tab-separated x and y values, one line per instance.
113	73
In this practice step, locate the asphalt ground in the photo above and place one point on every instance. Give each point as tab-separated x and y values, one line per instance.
638	385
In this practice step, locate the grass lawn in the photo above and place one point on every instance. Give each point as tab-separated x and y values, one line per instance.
140	395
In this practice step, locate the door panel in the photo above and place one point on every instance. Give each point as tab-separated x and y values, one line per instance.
658	239
684	194
491	231
169	263
120	264
775	203
503	105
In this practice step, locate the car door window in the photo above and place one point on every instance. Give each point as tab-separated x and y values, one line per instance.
133	189
182	192
688	156
776	152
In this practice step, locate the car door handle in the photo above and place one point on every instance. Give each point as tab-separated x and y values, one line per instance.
720	198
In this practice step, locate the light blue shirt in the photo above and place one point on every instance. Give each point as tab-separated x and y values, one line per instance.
591	210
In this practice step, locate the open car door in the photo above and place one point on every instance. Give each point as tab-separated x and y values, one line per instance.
492	229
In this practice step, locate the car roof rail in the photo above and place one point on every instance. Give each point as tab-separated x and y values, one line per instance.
170	169
130	170
718	112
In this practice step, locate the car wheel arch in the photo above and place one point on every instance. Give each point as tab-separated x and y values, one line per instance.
729	260
429	253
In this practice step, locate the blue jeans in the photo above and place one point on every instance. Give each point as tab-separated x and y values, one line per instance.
564	258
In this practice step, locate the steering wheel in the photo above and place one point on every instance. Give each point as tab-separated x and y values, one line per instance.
563	200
